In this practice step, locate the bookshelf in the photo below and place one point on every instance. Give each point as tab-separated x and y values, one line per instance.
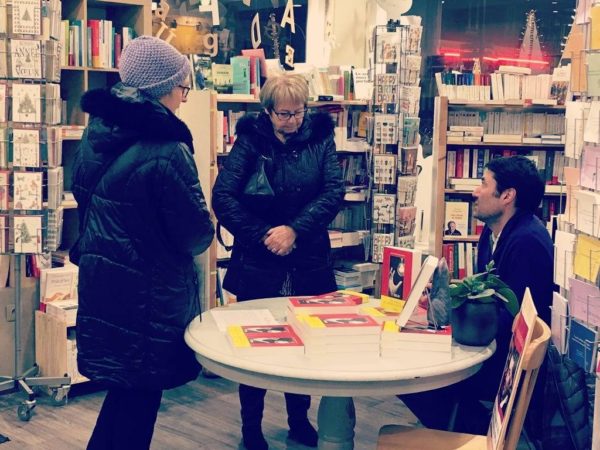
460	162
55	339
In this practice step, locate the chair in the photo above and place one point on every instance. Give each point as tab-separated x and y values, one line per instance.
410	438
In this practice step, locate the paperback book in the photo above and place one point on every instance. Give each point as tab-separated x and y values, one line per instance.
267	339
334	302
399	270
334	325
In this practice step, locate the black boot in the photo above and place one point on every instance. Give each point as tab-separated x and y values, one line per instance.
301	429
252	401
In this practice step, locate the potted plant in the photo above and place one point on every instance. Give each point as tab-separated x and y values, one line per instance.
474	303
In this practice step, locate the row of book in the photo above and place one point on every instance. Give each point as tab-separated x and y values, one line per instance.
96	43
30	147
526	125
336	82
465	167
461	258
505	86
30	103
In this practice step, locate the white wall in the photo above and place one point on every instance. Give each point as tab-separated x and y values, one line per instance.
338	31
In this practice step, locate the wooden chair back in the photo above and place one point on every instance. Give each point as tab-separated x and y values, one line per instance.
532	360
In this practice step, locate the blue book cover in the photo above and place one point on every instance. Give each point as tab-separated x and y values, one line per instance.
582	345
240	74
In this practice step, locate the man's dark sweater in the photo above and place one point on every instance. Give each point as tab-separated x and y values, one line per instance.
524	257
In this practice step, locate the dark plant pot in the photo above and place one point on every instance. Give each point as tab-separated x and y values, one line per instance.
474	323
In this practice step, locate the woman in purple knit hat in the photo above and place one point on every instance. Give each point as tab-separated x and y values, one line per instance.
142	218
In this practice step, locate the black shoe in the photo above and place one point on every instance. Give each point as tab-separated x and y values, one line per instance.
253	439
304	434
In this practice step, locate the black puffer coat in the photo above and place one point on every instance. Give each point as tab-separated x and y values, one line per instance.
306	178
138	288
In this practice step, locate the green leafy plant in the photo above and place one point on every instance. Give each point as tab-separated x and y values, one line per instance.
484	287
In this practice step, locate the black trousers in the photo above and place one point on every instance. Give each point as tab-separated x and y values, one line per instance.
252	402
126	420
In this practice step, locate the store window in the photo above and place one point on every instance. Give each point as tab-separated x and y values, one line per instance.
221	29
504	32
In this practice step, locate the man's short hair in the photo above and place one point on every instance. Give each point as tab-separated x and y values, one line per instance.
521	174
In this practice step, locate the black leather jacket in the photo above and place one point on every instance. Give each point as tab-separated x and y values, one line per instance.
138	288
306	178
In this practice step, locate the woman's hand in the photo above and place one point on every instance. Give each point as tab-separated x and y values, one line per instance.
280	240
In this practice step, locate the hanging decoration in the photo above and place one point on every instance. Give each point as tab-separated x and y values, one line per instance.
530	47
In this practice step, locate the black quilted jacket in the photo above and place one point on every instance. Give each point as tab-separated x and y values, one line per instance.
138	287
306	178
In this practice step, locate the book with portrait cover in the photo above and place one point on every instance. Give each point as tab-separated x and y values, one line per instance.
456	220
333	302
256	339
399	270
511	376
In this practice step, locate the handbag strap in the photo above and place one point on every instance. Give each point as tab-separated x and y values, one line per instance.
220	238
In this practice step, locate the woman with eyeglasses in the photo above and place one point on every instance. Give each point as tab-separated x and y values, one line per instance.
143	217
281	245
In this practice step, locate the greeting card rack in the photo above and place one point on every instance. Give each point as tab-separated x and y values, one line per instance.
30	172
395	133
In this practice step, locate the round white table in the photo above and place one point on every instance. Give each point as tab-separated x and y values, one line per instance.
336	378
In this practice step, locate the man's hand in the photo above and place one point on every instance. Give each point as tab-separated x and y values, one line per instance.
280	240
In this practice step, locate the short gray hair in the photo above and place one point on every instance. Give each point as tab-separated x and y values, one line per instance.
284	88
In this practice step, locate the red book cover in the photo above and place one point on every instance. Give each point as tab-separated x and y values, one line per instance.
94	25
118	48
460	156
397	271
264	336
337	302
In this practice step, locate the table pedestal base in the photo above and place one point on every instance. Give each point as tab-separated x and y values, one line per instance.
336	420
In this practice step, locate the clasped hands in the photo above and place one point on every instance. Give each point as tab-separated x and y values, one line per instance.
280	240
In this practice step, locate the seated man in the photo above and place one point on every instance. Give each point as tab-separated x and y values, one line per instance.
520	246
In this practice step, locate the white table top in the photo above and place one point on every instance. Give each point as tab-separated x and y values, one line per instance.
342	376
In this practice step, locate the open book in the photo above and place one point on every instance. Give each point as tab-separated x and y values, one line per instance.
419	285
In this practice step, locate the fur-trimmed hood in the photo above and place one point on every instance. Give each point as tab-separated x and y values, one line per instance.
316	127
122	115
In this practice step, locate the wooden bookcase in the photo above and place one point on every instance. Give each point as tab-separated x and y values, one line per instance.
201	114
444	192
51	333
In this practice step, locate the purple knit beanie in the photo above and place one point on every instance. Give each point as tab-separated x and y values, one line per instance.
153	66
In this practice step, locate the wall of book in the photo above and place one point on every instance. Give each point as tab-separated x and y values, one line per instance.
395	134
576	308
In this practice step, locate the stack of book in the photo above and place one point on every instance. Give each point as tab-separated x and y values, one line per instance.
346	278
396	340
337	334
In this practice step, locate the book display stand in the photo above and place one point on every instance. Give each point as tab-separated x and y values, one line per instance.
395	134
30	172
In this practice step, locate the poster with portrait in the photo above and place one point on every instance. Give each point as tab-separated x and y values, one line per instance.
511	376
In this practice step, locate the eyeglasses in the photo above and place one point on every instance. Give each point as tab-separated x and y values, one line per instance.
185	90
288	115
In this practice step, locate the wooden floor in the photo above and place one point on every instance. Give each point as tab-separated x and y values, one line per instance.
203	414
